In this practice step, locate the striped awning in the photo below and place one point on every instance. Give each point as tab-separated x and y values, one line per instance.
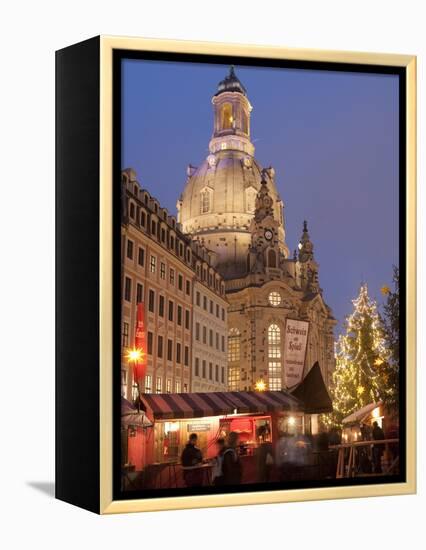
167	406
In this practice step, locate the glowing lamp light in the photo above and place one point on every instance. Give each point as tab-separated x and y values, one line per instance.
134	355
291	421
376	413
171	426
260	385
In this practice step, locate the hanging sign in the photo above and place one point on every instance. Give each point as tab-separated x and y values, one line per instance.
140	343
295	341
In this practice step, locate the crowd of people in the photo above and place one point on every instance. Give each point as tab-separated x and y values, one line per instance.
288	460
226	466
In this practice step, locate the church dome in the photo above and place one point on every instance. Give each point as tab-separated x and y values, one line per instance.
218	201
221	192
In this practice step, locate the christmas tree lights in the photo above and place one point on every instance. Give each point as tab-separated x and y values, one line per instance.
362	361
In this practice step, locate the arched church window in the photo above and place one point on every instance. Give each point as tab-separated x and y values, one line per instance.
226	117
274	357
272	258
205	201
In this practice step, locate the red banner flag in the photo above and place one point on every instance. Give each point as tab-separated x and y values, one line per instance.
139	367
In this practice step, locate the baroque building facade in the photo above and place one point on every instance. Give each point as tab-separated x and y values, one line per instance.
166	271
231	206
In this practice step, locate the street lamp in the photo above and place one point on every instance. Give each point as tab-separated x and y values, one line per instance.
260	385
134	356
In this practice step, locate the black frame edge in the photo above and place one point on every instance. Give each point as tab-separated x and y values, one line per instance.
77	454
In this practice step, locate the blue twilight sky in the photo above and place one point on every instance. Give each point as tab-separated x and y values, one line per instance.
332	138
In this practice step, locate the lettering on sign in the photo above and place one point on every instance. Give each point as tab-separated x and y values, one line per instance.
198	427
295	341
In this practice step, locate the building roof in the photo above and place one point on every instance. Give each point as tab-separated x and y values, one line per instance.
361	414
198	405
130	416
231	83
313	393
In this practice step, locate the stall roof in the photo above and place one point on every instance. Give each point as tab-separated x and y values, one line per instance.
313	393
361	414
130	416
167	406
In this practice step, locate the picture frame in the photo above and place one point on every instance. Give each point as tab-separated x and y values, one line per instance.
89	276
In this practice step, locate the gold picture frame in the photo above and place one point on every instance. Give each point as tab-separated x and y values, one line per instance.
107	46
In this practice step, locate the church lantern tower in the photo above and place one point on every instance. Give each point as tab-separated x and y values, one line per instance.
231	129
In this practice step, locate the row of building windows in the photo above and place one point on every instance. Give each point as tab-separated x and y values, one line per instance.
160	346
212	373
181	317
201	335
156	229
159	385
167	236
153	268
210	278
209	305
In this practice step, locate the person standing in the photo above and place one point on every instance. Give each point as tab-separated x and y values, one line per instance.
378	435
217	469
264	455
191	457
232	469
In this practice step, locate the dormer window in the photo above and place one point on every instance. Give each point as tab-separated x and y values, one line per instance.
205	204
132	210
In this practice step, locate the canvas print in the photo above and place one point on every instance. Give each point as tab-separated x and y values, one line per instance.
260	264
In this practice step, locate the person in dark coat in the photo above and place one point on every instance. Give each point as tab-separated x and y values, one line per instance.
191	457
322	441
264	455
231	467
378	435
217	463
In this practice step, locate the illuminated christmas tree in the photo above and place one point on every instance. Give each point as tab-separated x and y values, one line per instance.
361	360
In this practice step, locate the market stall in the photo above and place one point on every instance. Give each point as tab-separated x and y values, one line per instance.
214	415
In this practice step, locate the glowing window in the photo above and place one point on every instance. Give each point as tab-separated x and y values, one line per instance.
274	298
226	118
233	378
274	357
234	345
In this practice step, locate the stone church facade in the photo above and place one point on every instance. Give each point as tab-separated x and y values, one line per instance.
231	205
